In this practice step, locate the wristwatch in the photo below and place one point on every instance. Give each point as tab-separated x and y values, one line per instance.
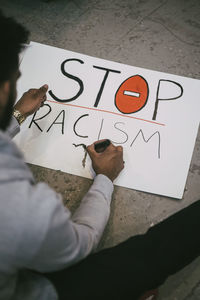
20	118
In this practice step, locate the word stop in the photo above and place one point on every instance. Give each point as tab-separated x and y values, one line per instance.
132	94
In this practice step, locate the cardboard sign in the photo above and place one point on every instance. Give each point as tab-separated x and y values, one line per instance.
153	115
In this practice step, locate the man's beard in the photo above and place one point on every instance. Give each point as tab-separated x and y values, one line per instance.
7	113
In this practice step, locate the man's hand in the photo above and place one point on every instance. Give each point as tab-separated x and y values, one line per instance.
109	162
31	101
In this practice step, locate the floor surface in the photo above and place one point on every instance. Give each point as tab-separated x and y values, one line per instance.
162	35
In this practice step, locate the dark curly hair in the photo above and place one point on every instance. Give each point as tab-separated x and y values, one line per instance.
12	37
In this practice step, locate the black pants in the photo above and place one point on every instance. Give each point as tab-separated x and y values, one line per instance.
141	263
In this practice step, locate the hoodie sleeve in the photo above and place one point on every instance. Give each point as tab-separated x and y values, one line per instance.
56	240
13	128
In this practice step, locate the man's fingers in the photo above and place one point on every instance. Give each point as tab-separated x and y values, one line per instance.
31	90
43	100
119	148
44	88
90	149
120	151
110	148
42	91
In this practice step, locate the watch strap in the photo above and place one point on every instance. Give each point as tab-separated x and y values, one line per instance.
20	118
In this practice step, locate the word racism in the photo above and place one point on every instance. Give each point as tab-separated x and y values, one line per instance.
60	120
131	96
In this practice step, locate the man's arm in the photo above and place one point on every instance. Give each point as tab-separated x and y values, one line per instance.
54	238
50	238
62	240
30	102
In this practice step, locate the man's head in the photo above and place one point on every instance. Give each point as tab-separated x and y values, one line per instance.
12	38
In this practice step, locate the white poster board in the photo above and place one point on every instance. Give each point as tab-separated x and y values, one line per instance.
153	115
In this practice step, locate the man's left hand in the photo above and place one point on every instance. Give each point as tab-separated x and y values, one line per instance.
31	101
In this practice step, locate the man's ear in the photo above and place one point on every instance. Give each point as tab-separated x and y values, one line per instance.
4	92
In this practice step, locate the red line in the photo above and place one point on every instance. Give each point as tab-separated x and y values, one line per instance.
107	111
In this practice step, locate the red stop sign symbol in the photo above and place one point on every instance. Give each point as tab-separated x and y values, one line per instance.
132	95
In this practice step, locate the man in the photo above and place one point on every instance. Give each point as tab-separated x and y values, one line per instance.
40	240
37	232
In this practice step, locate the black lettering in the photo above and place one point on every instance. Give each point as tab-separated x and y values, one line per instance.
34	120
126	138
173	98
102	121
62	122
80	82
103	82
147	140
74	128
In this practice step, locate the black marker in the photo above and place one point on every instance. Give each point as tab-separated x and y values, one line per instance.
101	146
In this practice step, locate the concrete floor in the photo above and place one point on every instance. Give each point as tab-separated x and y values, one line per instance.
162	35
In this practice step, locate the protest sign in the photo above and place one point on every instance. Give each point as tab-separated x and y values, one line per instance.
153	115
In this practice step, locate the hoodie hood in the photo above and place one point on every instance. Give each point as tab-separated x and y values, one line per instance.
12	166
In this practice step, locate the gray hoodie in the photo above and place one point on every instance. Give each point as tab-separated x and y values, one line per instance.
37	232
